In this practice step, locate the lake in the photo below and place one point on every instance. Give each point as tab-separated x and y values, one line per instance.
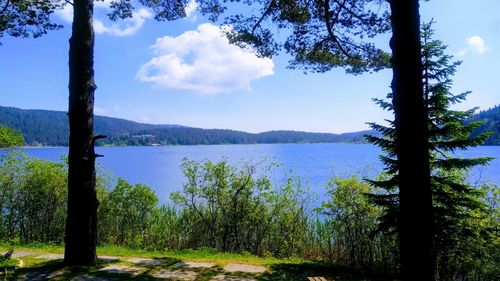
159	167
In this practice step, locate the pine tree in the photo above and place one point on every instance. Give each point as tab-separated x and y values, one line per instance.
454	200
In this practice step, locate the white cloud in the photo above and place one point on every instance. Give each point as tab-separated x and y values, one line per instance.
125	27
191	9
102	3
203	61
66	13
122	28
475	44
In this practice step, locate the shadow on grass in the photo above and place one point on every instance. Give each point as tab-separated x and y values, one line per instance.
301	271
143	272
119	270
204	274
41	271
167	261
55	270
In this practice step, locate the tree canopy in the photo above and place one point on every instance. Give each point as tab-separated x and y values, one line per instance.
322	34
10	137
28	18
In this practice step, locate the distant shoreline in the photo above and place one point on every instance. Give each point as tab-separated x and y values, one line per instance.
201	144
51	129
170	145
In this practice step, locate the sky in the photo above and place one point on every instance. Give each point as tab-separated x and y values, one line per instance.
184	72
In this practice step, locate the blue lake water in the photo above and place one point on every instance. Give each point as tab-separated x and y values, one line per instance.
159	167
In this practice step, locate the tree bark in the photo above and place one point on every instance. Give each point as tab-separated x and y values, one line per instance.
81	224
415	224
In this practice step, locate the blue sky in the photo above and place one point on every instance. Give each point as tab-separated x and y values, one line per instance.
183	72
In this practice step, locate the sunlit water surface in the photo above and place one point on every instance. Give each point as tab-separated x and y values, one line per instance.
159	167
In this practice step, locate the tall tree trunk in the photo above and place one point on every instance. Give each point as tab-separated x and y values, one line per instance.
415	224
80	247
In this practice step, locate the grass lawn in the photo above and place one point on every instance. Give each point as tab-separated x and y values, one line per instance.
289	269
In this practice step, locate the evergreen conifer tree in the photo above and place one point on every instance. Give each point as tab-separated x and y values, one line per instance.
455	201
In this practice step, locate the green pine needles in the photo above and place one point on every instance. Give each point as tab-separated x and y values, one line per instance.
464	227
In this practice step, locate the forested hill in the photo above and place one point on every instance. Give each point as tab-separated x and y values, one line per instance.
491	123
50	128
47	127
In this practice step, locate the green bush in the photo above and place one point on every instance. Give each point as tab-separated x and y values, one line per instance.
10	138
33	199
126	214
347	231
239	210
